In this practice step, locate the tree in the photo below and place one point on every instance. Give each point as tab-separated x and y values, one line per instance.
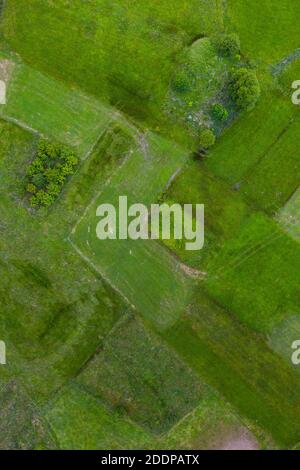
219	112
207	139
229	45
53	164
244	88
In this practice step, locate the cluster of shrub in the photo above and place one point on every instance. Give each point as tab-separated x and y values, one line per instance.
46	175
243	87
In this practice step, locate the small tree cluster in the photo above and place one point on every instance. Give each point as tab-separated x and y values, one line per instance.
207	139
229	45
53	164
219	112
244	88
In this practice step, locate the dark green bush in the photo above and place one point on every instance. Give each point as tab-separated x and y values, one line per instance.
244	88
229	45
207	138
181	83
219	112
53	164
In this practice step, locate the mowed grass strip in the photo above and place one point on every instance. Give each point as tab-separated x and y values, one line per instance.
137	374
142	270
241	366
54	110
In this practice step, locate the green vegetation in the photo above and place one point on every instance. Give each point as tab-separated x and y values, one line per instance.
229	45
121	53
81	422
241	366
225	211
261	266
127	344
259	152
48	172
207	139
53	110
156	161
199	78
219	112
284	335
244	88
268	31
137	374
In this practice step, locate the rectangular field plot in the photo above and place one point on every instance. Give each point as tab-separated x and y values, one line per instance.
81	422
260	152
256	274
142	270
241	366
135	372
38	102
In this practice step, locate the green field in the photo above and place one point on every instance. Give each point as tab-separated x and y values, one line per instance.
136	373
53	110
139	44
119	261
241	366
260	265
225	210
140	344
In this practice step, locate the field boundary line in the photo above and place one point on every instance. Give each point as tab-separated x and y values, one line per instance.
98	270
21	124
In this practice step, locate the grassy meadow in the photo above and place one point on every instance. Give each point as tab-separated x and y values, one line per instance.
125	344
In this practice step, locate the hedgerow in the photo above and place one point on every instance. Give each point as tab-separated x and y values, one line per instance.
48	172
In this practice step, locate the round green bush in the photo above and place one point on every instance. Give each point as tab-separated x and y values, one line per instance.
244	88
207	138
181	82
229	45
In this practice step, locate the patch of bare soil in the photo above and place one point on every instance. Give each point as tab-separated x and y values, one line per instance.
192	272
239	440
